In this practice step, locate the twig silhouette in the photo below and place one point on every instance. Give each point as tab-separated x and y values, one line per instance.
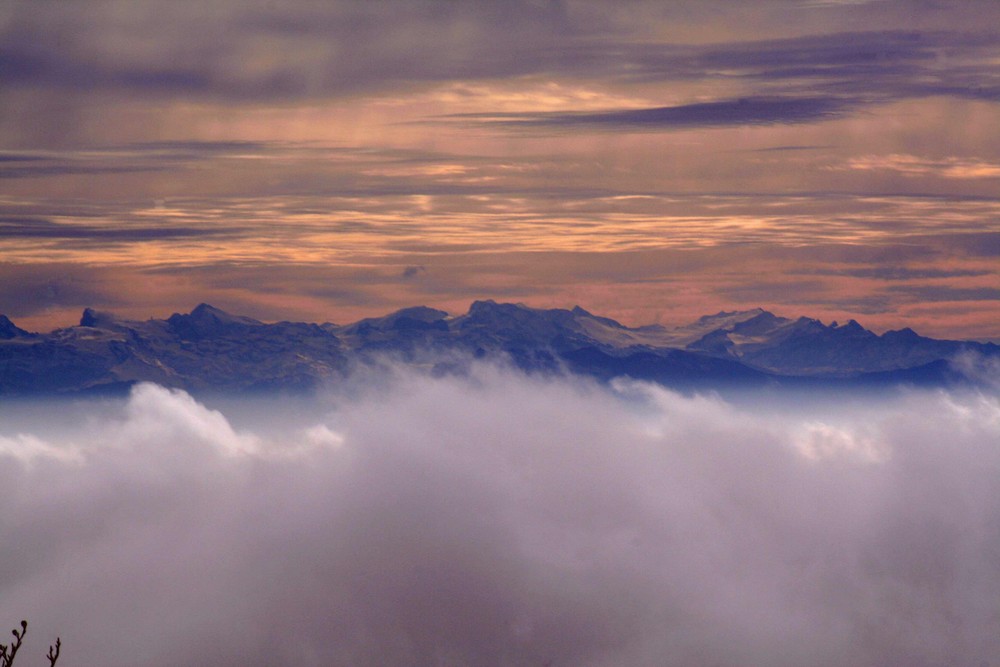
54	652
7	652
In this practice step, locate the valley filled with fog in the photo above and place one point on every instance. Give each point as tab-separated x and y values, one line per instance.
498	518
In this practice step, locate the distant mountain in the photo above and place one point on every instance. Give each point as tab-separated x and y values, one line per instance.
210	349
8	330
206	349
808	347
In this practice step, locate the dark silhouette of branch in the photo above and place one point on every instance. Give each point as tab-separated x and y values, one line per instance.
54	653
7	653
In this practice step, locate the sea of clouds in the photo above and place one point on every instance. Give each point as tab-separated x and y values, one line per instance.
501	519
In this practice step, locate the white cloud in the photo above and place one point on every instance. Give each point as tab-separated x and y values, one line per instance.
499	519
26	448
156	414
978	368
820	441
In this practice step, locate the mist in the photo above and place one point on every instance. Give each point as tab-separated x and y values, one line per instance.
502	519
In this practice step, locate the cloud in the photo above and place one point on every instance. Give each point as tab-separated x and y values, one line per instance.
500	519
742	111
975	244
26	448
189	149
132	158
978	368
240	52
894	273
873	304
32	288
778	149
155	415
791	80
7	157
912	165
335	48
879	65
835	3
15	227
947	293
411	272
43	170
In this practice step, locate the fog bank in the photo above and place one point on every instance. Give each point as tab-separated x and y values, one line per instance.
499	519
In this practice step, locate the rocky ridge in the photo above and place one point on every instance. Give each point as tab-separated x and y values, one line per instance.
209	349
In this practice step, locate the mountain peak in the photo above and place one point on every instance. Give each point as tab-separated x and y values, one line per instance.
421	313
724	319
206	310
761	323
489	305
10	330
490	310
580	313
851	328
902	334
413	318
206	320
732	316
95	318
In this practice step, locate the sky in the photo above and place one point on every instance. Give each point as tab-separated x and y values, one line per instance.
553	521
649	161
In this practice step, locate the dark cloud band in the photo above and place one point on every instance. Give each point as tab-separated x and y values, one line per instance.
742	111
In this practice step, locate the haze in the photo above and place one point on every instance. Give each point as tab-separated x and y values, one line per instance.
501	519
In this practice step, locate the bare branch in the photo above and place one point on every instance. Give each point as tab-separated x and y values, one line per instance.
7	653
54	652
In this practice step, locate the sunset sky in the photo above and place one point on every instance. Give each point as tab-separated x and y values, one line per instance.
649	161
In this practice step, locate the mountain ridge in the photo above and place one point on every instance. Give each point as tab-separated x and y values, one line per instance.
211	349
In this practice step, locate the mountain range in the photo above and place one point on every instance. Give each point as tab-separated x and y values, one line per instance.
209	349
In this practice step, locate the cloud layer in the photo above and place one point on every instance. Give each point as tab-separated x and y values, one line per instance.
647	160
499	519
